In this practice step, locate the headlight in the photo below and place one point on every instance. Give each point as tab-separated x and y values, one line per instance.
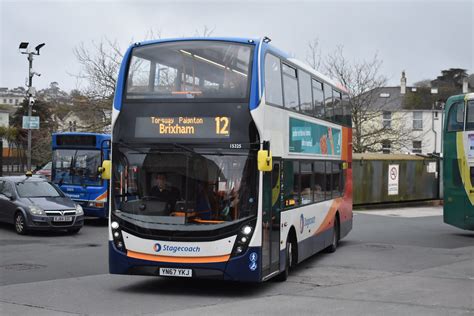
35	210
79	210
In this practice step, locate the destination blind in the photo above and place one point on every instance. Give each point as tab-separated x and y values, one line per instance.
182	127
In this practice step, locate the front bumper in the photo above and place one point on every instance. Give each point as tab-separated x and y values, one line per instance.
47	223
236	269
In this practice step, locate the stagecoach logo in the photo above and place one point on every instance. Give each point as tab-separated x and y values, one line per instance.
157	247
305	222
175	249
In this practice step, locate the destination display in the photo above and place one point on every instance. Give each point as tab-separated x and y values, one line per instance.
313	138
182	127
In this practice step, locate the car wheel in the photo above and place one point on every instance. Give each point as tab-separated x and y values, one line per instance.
335	237
73	231
20	223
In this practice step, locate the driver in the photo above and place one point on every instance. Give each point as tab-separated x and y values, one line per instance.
165	193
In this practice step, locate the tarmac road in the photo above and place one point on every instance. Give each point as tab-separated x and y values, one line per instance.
394	262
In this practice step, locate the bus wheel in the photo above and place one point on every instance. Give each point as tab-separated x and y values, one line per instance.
283	276
20	223
335	237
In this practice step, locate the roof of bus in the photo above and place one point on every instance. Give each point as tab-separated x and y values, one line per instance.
253	41
180	39
82	133
456	98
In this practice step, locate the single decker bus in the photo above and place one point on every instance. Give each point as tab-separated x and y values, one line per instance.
230	160
77	158
458	161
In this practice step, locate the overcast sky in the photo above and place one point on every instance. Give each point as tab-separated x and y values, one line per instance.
421	37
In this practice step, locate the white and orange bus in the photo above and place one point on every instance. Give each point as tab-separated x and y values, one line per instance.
230	160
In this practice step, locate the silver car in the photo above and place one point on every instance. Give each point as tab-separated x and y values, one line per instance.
34	203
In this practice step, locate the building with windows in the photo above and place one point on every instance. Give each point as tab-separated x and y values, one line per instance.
413	116
12	97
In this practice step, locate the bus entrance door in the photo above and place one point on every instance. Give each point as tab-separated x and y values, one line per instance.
271	220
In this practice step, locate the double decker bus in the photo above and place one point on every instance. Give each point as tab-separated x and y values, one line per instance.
458	161
76	159
230	160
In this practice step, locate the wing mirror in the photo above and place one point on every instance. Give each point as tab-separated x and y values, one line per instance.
265	162
105	170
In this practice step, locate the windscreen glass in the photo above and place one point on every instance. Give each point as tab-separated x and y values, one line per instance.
36	189
189	70
76	166
184	186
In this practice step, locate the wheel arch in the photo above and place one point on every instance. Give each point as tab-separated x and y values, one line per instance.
19	210
292	237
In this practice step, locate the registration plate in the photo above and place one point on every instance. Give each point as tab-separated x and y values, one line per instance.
62	218
175	272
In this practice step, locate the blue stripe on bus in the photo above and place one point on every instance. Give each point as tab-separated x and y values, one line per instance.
121	80
254	97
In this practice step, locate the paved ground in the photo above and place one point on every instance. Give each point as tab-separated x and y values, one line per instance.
391	263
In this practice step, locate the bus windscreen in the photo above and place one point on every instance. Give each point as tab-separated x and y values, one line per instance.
189	70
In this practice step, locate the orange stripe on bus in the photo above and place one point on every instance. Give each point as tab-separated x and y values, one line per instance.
144	256
103	196
328	220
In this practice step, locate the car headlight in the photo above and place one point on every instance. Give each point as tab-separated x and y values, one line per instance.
35	210
79	210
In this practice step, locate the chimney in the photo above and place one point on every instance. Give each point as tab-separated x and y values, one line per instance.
464	85
403	83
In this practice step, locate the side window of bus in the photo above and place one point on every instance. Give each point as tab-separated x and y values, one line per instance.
347	110
306	183
304	80
319	170
470	116
329	180
291	183
328	102
338	117
336	179
318	98
456	117
290	88
273	89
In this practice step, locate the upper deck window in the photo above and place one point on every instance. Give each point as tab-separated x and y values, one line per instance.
456	117
190	70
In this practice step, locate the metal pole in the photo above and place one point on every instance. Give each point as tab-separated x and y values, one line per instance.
30	101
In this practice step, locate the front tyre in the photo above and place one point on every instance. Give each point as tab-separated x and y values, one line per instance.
20	223
283	276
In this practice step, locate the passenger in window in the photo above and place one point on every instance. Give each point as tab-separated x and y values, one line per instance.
164	192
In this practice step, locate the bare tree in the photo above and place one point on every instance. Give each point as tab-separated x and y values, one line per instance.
205	31
364	84
100	65
313	54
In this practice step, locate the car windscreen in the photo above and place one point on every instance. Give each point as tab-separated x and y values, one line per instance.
36	189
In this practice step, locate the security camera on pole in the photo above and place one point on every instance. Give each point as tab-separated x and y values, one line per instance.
30	122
